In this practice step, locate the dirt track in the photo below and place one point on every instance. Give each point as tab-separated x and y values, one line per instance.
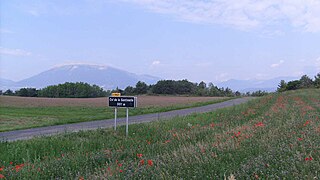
143	101
46	131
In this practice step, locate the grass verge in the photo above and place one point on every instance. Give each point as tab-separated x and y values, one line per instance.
274	137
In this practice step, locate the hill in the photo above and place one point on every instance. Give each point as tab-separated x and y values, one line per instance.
269	85
104	76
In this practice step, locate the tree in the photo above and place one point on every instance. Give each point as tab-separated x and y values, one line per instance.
27	92
72	90
317	81
129	90
201	89
293	85
282	86
164	87
305	82
8	92
141	88
237	93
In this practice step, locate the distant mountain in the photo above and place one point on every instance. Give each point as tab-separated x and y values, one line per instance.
105	76
269	85
6	84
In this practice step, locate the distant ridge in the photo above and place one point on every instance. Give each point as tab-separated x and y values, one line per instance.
105	76
269	85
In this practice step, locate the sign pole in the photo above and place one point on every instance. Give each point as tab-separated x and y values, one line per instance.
127	122
115	119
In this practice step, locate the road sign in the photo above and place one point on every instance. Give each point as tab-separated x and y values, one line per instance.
115	94
123	101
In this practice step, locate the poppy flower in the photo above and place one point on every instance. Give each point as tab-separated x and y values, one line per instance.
308	159
121	171
1	168
259	124
139	155
150	163
2	176
142	162
306	123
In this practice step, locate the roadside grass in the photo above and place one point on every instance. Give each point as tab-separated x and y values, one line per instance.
274	137
14	118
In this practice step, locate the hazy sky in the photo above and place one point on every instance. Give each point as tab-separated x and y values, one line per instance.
210	40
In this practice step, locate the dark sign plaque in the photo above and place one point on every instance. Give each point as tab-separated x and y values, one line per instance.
123	101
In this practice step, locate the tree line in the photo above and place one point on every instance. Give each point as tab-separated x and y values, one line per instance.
66	90
162	87
180	87
304	82
183	87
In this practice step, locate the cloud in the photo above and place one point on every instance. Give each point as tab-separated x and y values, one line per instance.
277	64
241	14
14	52
155	63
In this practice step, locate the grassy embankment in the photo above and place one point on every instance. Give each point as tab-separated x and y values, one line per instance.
274	137
13	118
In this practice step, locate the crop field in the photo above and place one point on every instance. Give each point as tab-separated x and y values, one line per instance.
143	101
273	137
24	112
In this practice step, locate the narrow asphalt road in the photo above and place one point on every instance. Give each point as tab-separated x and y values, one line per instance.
108	123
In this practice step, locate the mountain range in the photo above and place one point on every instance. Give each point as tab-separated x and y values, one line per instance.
269	85
104	76
110	78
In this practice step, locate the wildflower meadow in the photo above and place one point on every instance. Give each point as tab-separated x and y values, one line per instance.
273	137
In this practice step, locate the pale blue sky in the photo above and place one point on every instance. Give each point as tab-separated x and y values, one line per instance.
197	40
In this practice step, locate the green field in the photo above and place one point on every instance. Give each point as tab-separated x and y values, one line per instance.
274	137
13	118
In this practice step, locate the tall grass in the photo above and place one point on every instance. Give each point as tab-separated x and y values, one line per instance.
274	137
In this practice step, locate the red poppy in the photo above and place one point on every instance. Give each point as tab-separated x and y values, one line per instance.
139	155
18	167
308	159
150	163
121	171
120	165
306	123
300	139
259	124
237	134
142	162
11	162
1	168
2	176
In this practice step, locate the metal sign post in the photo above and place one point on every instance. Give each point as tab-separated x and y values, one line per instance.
115	118
127	122
122	101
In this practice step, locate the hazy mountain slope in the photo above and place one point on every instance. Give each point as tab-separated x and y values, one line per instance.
104	76
254	85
